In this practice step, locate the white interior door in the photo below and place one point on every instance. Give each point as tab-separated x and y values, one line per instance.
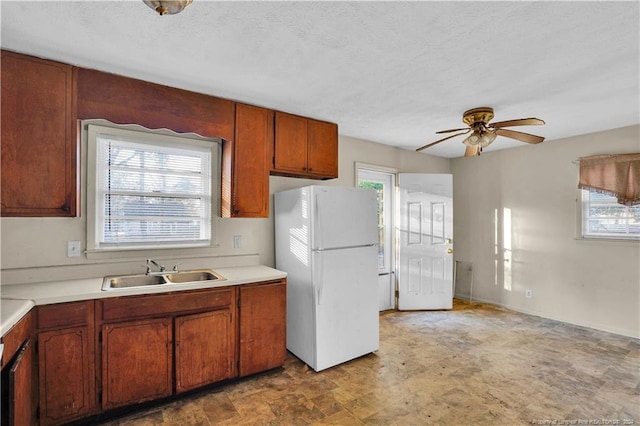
425	275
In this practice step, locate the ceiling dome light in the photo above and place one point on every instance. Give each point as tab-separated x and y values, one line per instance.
168	7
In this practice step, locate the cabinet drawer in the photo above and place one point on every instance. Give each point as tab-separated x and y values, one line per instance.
64	314
167	303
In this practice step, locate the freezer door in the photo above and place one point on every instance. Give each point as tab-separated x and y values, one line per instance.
343	217
346	304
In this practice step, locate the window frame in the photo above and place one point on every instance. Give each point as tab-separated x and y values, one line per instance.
162	137
584	217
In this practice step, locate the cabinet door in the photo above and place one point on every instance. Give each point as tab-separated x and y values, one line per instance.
204	349
64	372
290	147
136	362
251	152
21	388
39	143
322	156
262	327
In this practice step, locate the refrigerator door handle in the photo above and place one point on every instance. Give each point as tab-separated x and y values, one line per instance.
319	277
318	230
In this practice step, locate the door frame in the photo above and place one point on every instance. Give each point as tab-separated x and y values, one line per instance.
392	243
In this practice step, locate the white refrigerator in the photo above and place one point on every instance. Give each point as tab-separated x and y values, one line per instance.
327	242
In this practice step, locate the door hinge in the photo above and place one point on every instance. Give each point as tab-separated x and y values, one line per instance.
38	412
397	293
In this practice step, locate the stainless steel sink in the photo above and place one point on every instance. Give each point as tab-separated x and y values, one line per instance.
146	280
193	276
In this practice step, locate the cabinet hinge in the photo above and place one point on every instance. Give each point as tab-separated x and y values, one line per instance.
38	412
35	346
100	397
273	161
100	337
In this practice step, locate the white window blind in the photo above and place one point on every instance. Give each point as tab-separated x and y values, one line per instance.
604	217
151	193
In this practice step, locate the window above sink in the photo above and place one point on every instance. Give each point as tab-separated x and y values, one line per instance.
150	189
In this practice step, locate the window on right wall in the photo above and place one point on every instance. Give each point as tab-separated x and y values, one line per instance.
610	187
604	217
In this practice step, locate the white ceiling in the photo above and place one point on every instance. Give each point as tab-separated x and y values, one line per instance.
389	72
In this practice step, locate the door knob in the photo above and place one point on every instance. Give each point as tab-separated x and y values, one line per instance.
449	250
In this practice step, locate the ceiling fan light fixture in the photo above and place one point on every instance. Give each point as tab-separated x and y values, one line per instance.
473	139
486	138
168	7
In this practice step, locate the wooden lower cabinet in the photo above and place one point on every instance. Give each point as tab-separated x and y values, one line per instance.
137	362
263	322
64	375
205	350
146	347
21	389
66	362
18	387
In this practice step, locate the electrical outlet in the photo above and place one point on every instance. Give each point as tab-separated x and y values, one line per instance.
528	294
73	248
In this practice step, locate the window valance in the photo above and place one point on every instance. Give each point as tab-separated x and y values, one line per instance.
616	175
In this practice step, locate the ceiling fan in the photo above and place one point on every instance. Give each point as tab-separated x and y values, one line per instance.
484	132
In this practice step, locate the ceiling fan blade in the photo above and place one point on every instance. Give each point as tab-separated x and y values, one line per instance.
452	130
518	122
471	151
523	137
441	140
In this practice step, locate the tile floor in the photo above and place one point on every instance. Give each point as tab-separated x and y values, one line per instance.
476	364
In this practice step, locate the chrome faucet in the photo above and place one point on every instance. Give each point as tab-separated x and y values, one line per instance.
160	267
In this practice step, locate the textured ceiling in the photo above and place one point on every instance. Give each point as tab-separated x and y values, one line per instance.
390	72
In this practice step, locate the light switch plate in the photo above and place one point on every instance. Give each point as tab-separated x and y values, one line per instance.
73	248
237	241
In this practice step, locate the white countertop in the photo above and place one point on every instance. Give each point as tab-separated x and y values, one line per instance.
12	311
18	299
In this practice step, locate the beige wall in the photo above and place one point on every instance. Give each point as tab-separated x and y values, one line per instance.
585	282
592	283
34	249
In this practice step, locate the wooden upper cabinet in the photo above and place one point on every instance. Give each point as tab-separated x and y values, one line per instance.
39	138
124	100
322	150
304	147
290	147
246	162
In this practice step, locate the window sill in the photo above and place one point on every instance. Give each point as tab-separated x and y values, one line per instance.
608	240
